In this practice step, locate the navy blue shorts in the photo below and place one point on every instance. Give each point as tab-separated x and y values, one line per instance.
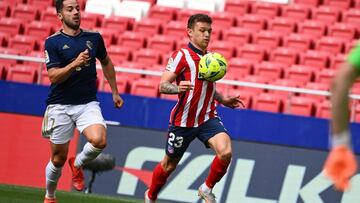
179	138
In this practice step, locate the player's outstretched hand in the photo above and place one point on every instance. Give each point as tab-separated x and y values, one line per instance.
233	102
185	86
340	166
118	101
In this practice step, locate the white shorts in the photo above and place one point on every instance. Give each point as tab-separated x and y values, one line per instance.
60	120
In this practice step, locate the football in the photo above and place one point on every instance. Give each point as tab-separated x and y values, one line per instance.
212	67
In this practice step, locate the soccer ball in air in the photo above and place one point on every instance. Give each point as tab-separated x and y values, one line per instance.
212	67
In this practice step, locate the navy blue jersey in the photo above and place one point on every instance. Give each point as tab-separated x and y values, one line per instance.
60	50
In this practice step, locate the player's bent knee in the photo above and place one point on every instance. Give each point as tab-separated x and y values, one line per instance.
168	167
59	161
225	156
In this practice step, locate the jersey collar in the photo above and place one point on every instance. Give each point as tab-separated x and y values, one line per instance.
196	50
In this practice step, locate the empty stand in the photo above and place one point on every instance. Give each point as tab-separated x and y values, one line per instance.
226	48
4	9
184	14
326	14
25	12
303	106
344	31
132	40
148	26
315	58
24	42
252	21
118	23
339	4
41	3
267	38
109	35
284	55
13	26
350	45
299	73
297	12
333	45
308	2
252	52
282	25
132	9
269	10
105	8
204	5
240	67
312	28
245	96
337	61
162	43
237	35
39	29
119	54
147	56
175	4
325	76
351	16
176	29
298	42
91	20
162	13
145	87
239	7
269	69
223	20
121	83
323	109
49	15
21	74
268	102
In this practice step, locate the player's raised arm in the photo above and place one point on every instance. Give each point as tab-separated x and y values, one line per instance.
167	86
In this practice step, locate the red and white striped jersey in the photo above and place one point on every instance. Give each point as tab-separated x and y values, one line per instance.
195	106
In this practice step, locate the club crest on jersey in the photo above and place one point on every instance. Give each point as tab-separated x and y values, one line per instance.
89	44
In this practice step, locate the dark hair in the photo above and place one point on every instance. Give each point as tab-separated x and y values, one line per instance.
59	5
198	18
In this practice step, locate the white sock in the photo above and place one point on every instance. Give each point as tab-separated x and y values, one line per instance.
205	188
88	153
52	176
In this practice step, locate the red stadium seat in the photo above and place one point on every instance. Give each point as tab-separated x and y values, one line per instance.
245	96
298	12
268	102
239	7
269	69
184	14
132	40
240	67
147	56
356	114
2	73
49	15
316	86
21	74
315	58
4	9
332	45
145	87
41	3
252	21
303	106
162	13
351	16
299	73
267	38
308	2
282	25
148	26
176	29
237	35
4	38
121	83
226	48
39	29
269	10
11	51
325	76
326	14
118	23
298	42
350	45
91	20
342	30
339	4
24	42
312	28
119	54
26	12
284	55
109	35
223	20
13	26
323	109
337	61
162	43
252	51
257	79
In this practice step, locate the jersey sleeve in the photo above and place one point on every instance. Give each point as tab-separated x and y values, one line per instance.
354	57
176	63
101	52
52	58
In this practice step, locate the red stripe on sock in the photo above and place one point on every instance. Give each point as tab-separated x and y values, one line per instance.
218	169
159	178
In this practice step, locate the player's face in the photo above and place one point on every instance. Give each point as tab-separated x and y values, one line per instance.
200	34
70	14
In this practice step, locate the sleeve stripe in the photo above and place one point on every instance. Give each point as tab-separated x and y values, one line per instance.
176	62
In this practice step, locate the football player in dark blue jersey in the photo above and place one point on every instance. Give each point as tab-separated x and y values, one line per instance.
70	56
